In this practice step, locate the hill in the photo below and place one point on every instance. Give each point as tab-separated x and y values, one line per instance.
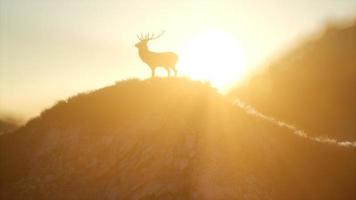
312	86
166	139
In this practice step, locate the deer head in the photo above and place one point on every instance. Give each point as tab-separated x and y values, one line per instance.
145	38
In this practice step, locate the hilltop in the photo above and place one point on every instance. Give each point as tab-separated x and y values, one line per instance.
168	138
312	85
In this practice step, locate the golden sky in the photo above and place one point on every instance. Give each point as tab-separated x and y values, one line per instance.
52	49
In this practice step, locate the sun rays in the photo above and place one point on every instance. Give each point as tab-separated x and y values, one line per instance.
214	56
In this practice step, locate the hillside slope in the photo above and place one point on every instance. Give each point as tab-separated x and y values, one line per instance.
312	86
166	139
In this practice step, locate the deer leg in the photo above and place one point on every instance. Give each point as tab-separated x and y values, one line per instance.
153	72
175	71
169	72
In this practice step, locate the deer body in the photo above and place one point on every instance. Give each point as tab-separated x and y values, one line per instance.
166	60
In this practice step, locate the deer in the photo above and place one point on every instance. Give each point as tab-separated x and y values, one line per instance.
167	60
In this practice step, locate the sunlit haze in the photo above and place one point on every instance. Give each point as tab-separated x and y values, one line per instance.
178	99
51	49
201	55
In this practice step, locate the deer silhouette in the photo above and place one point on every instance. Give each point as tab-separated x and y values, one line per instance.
166	60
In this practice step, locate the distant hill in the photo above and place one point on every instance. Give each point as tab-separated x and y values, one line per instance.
312	86
166	138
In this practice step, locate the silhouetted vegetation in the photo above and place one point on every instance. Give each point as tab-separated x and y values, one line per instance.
166	139
312	86
7	125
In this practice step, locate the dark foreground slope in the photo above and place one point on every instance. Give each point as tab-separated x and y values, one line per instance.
312	86
166	139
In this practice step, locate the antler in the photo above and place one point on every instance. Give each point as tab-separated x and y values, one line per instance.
140	37
153	37
149	36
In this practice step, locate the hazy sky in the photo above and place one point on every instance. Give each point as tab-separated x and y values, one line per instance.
52	49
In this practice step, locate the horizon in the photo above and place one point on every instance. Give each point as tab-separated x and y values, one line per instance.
47	56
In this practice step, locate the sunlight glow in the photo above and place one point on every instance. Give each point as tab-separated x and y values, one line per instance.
214	56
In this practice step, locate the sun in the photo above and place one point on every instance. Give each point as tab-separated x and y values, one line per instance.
215	56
